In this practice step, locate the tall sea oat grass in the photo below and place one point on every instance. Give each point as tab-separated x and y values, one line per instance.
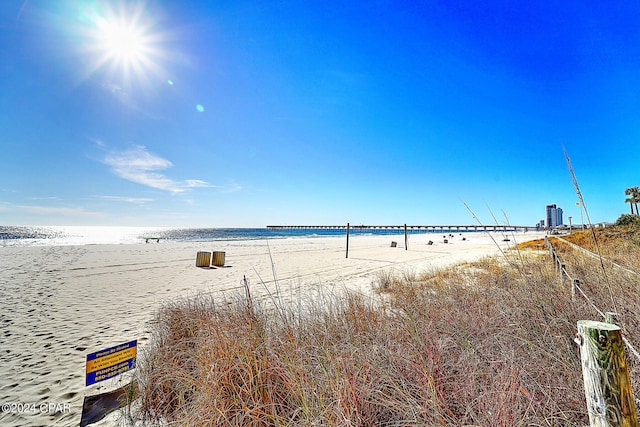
481	343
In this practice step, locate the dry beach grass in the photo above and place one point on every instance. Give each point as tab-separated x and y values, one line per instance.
489	342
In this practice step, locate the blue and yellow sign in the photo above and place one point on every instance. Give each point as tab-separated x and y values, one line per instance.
111	362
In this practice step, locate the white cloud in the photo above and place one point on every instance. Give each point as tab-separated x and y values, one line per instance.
50	198
193	183
233	187
99	143
139	166
136	200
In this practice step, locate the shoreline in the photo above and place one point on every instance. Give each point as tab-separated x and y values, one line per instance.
64	302
100	235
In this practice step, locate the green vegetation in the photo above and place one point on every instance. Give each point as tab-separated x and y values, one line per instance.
628	220
488	343
633	201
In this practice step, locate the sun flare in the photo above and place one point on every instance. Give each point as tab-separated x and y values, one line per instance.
123	43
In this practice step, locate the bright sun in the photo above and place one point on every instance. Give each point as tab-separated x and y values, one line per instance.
123	43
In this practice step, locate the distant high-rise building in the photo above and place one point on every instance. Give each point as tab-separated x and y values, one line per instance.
554	216
559	216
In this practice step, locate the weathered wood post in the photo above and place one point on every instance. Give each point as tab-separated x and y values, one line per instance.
574	284
607	385
347	240
405	238
610	317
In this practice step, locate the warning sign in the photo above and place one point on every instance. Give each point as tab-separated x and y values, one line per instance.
108	363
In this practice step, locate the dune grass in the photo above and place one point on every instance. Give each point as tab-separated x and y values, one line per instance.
489	343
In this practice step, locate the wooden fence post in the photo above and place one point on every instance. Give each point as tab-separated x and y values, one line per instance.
607	385
610	317
574	284
347	240
405	238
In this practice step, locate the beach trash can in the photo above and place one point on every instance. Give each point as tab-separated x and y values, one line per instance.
203	259
430	242
394	244
218	258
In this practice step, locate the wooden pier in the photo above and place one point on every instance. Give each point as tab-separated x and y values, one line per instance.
411	228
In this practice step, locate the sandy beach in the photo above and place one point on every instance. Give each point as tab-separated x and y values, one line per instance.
60	303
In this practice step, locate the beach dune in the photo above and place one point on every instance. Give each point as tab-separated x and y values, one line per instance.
60	303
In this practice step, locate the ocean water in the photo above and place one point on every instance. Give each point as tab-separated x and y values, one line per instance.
81	235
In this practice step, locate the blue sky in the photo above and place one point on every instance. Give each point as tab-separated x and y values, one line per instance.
249	113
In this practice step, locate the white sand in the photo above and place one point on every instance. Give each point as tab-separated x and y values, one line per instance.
61	303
